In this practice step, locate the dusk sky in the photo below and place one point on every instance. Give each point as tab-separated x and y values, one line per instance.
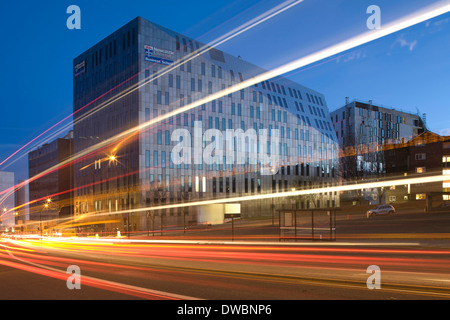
408	70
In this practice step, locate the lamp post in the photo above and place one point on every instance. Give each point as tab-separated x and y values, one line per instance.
46	204
126	217
185	196
128	195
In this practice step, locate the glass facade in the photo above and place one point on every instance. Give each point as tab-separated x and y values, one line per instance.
183	142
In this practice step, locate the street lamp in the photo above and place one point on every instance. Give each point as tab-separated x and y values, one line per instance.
40	214
126	217
111	158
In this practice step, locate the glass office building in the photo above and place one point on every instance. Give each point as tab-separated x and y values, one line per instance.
150	97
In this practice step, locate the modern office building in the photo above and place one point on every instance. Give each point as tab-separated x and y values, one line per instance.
144	72
364	131
7	200
50	195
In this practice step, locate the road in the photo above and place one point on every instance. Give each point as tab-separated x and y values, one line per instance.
412	265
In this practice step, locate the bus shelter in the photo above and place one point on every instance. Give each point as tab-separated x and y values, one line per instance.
307	224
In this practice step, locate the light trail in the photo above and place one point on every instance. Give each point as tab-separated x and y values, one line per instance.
411	271
295	193
228	36
367	37
419	17
145	293
302	62
398	182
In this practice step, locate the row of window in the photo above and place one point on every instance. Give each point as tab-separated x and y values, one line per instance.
223	164
378	115
275	87
237	110
197	86
222	124
110	50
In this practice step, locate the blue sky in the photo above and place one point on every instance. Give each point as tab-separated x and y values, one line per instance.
408	70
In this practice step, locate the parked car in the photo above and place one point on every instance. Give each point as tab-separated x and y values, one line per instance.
381	209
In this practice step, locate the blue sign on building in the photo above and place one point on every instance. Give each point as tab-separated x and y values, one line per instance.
149	55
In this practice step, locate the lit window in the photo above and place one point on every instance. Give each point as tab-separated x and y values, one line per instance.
197	187
421	196
420	169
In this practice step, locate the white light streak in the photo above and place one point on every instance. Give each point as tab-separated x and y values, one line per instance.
418	17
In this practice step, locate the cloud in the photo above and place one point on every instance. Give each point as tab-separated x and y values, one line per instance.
437	23
402	42
355	55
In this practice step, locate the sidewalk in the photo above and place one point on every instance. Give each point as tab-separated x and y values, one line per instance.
350	231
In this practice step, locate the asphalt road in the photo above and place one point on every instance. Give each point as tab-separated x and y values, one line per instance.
411	251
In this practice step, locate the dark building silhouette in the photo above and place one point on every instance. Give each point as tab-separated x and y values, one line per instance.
55	186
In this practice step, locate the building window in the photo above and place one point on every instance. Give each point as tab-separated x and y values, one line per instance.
155	159
166	98
420	156
167	137
421	196
158	97
147	158
159	137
